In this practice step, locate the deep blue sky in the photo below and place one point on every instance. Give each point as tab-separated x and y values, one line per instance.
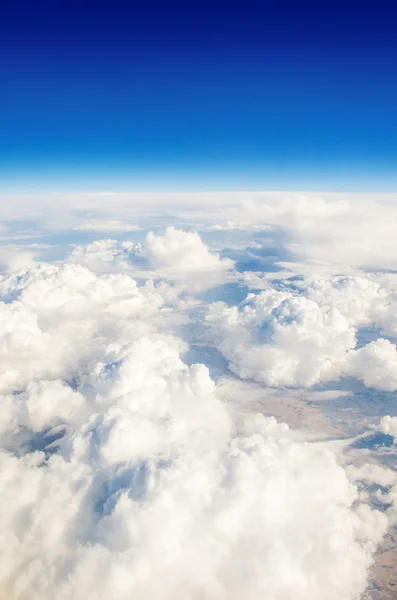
110	95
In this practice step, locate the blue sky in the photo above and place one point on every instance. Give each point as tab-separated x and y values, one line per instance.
117	96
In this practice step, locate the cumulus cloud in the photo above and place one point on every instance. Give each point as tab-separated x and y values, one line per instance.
158	496
14	258
55	318
373	473
281	339
109	255
361	298
127	472
123	474
307	333
381	485
376	365
183	255
176	255
388	425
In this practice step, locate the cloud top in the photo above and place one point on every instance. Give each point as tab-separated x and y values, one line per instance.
124	471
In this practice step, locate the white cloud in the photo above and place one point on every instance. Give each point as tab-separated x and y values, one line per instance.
15	258
176	255
388	425
365	300
108	226
156	496
282	339
108	255
372	473
59	317
42	406
362	299
308	336
375	474
376	365
328	228
122	474
184	257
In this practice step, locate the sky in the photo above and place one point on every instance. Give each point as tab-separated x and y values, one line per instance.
198	301
120	96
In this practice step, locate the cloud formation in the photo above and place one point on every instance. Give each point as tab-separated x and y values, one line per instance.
388	425
122	474
56	317
176	255
286	338
156	496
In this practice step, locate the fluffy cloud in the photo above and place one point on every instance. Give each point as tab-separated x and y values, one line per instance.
361	299
382	484
372	473
109	255
281	339
388	425
55	318
306	334
183	254
126	473
44	404
122	474
159	495
176	255
376	365
106	225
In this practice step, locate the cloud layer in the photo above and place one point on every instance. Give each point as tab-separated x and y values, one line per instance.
123	472
154	491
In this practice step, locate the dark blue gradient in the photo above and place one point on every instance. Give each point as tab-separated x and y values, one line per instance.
198	95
